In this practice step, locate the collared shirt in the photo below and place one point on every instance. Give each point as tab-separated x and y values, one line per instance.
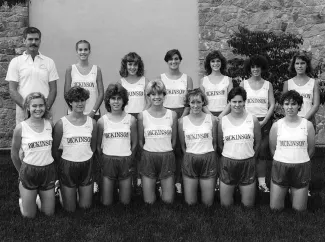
32	76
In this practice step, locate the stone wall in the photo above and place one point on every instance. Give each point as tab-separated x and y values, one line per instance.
218	19
13	20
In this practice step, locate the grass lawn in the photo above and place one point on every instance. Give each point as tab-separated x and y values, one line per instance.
160	222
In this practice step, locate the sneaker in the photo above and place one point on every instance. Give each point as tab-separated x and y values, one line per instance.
178	188
160	191
57	188
309	194
38	202
263	188
217	188
20	202
95	187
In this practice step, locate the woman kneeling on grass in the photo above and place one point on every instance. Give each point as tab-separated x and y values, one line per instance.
116	145
157	129
36	170
239	137
198	137
77	133
292	144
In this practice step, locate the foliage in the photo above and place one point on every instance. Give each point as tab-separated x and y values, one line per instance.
11	3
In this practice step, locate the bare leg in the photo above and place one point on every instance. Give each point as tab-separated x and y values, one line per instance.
299	198
107	191
248	194
125	187
148	188
226	194
69	198
207	190
47	201
86	196
28	198
168	189
190	189
277	196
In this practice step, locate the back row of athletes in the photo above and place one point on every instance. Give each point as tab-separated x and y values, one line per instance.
244	123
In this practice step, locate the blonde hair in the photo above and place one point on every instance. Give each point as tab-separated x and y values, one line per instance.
29	98
156	86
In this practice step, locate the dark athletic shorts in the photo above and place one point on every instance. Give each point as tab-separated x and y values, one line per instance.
75	174
157	165
291	175
37	177
237	172
216	114
117	167
200	166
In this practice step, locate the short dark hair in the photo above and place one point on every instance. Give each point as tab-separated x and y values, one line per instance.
29	98
197	92
292	95
255	60
82	42
215	55
31	30
170	53
303	56
237	91
76	94
131	57
115	90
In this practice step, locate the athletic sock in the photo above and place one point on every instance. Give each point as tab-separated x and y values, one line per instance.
261	180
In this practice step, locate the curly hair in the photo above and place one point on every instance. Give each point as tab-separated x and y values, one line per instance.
197	92
215	55
76	94
169	55
294	96
131	57
83	42
115	90
237	91
156	86
29	98
255	60
303	56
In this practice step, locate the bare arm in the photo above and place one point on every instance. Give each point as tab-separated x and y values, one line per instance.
189	87
316	102
134	135
311	139
273	136
100	89
227	108
285	87
257	135
271	107
14	94
15	147
181	135
52	94
220	136
205	108
214	132
146	98
68	80
93	137
100	131
140	130
174	129
57	137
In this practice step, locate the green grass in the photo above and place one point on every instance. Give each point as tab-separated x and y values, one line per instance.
161	222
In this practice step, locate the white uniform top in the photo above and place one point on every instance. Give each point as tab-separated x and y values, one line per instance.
89	82
176	90
307	92
292	146
76	140
37	146
198	138
158	132
257	102
238	140
116	139
216	93
136	94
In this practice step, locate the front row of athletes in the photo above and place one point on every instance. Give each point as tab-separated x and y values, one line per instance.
238	137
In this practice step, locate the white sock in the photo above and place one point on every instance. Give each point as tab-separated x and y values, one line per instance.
261	180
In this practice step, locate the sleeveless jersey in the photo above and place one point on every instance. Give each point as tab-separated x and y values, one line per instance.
176	90
136	94
116	139
238	140
257	102
307	92
198	139
88	82
158	132
216	93
291	146
37	146
76	140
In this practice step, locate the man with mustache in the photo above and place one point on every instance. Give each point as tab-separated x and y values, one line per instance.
31	72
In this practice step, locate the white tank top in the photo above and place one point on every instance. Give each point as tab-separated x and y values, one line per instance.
136	95
238	140
216	93
117	137
37	146
176	90
198	139
158	132
292	146
257	102
88	82
307	92
76	140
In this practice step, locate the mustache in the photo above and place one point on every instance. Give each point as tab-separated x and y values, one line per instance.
34	45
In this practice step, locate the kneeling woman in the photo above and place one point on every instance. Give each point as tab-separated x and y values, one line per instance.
239	137
77	133
198	137
157	129
292	144
117	140
36	170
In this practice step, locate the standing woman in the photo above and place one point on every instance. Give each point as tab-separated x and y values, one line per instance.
260	103
177	84
216	85
292	144
86	76
36	169
117	140
198	137
157	129
239	137
77	134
